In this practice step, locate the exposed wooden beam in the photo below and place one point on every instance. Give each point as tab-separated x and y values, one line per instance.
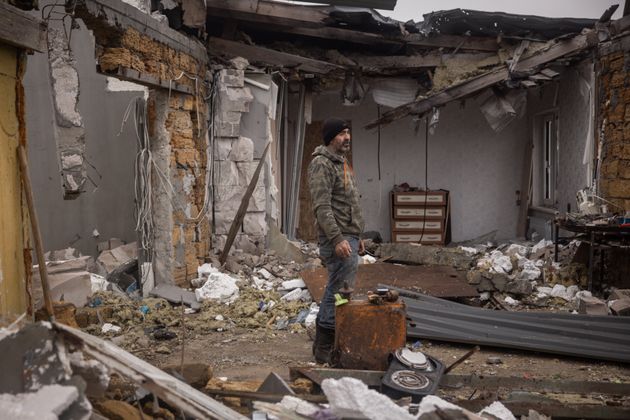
269	57
372	4
330	33
267	12
398	62
552	52
117	15
20	29
452	41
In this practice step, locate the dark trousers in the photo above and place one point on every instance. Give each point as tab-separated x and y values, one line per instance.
340	271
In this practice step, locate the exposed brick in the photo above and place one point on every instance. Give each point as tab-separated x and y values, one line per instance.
624	169
618	79
610	169
618	188
187	156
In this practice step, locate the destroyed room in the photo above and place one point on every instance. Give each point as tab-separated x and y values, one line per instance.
287	210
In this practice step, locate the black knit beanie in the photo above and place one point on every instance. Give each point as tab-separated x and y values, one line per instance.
331	128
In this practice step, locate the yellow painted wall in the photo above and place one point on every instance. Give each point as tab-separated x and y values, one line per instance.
13	300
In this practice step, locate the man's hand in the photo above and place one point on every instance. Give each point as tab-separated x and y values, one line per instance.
343	249
361	247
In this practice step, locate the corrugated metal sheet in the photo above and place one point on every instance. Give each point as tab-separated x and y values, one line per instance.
596	337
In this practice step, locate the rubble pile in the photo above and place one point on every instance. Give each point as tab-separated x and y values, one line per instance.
526	271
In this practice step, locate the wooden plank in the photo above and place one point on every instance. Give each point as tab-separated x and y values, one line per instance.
553	51
453	41
20	29
269	57
374	4
439	281
165	386
267	12
491	383
146	79
329	33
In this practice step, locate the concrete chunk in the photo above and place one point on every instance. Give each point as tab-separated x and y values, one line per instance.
175	294
590	305
619	294
620	307
47	403
109	260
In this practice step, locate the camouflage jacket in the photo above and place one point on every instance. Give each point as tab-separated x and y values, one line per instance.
334	195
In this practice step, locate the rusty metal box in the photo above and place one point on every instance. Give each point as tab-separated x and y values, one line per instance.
366	334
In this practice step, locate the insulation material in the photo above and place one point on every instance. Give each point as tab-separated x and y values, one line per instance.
394	92
500	109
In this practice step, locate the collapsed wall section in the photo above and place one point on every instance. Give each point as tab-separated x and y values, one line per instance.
234	165
613	102
133	46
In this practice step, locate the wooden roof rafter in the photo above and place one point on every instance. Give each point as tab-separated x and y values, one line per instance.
312	22
554	50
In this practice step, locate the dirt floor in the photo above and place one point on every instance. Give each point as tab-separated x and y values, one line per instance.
251	354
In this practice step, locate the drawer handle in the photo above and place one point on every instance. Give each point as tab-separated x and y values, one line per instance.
404	198
403	224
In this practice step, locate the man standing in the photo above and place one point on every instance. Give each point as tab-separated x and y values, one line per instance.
335	200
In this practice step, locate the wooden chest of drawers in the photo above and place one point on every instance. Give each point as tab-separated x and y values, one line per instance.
420	217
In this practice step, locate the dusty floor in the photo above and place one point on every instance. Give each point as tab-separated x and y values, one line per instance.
245	354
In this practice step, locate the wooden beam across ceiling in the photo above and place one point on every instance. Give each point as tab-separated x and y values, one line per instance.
553	51
20	29
311	22
267	12
373	4
453	41
269	57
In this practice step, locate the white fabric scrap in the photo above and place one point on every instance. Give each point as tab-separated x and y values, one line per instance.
219	286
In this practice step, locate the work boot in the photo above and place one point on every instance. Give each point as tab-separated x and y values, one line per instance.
323	344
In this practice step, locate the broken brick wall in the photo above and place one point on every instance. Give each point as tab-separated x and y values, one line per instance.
613	123
613	103
184	126
174	66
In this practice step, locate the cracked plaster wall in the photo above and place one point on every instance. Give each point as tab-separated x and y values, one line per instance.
107	205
